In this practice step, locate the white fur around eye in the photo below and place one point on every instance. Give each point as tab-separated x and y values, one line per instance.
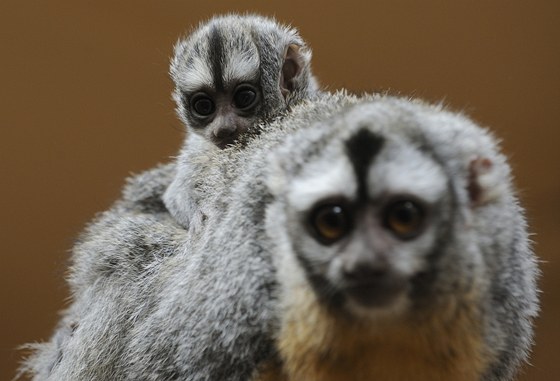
406	171
322	180
197	76
241	67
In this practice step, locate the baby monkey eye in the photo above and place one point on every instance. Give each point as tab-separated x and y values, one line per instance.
203	105
330	223
244	97
404	218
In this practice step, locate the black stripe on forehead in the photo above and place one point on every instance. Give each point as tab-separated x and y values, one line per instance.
216	57
361	150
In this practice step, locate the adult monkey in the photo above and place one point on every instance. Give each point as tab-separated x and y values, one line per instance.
285	282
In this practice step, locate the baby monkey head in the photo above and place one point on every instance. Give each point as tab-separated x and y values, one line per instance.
235	71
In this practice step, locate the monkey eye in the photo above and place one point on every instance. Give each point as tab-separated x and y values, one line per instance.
404	218
244	97
203	105
330	223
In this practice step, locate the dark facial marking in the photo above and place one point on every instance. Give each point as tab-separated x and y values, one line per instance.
422	290
362	149
216	53
331	296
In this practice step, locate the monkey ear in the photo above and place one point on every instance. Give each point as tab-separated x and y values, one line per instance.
485	183
291	69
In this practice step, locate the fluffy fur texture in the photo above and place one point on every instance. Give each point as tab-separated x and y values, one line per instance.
217	62
253	295
454	301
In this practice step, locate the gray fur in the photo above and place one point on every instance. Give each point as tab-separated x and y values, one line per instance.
153	301
479	241
215	47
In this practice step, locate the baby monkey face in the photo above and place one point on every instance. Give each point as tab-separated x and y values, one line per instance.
234	72
221	115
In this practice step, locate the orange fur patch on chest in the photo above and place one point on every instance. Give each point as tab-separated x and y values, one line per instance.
314	345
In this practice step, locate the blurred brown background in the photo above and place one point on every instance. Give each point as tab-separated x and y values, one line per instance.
84	101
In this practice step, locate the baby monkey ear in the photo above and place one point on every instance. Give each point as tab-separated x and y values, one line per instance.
292	66
485	182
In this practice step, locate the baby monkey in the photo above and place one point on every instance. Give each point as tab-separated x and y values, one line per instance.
230	74
236	70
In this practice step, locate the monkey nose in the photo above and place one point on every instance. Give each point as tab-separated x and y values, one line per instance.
224	136
372	283
365	272
225	131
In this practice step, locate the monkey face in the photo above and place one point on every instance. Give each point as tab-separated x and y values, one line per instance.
367	228
234	72
379	215
372	220
222	115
